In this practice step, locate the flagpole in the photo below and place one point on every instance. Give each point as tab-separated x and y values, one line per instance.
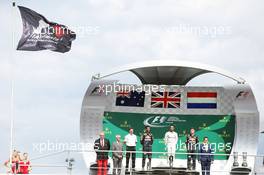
12	86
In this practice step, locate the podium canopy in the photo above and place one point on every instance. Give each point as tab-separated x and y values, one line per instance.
170	72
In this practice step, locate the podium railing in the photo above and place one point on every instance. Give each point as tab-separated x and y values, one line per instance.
254	171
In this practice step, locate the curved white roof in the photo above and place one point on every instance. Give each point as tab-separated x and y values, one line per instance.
170	72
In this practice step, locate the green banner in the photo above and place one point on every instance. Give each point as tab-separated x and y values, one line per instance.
220	129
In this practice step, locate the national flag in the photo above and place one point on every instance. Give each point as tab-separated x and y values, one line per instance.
202	100
166	99
41	34
123	94
130	98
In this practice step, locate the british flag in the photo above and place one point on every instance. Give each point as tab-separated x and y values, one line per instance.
166	99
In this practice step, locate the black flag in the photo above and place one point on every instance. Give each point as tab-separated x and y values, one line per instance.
41	34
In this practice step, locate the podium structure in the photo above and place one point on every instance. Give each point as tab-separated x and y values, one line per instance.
227	115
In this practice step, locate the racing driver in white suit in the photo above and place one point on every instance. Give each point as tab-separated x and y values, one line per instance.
171	139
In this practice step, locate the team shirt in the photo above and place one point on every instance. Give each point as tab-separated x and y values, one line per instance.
191	142
147	139
130	140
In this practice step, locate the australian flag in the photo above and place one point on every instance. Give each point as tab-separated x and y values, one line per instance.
41	34
130	98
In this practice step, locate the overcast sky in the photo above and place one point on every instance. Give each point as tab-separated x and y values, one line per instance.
49	86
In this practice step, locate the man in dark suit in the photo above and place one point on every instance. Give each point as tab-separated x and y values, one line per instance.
205	156
100	145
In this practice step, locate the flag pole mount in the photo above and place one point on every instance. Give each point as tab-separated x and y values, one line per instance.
96	77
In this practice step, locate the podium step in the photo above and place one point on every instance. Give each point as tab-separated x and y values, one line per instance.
240	171
165	171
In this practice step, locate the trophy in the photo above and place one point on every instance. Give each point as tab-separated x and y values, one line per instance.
244	155
235	164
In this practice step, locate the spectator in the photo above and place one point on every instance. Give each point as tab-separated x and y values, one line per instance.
14	167
24	164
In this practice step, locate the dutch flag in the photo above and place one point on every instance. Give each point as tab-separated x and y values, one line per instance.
202	100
